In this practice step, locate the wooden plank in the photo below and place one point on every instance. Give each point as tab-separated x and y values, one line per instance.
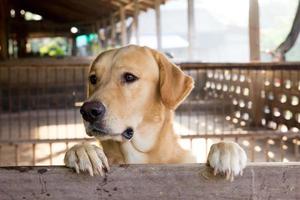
254	39
123	26
158	24
190	181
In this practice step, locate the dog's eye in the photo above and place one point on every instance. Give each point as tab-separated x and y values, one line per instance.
129	78
93	79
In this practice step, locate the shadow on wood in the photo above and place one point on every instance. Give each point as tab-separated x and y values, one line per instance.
191	181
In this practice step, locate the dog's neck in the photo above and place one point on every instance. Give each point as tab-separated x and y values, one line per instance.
154	142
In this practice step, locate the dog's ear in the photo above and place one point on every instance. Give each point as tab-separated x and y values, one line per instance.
175	85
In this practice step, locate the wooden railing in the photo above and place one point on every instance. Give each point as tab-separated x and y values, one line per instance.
192	181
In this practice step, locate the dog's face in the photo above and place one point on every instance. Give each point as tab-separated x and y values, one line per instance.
130	87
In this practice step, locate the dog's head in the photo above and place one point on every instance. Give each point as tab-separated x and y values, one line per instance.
130	87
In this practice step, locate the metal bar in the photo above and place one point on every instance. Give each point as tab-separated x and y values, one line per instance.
40	141
33	154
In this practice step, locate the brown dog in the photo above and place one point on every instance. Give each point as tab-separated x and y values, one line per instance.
133	92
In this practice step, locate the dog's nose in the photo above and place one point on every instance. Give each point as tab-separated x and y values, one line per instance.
92	111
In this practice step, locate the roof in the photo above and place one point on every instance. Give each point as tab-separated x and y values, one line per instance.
74	11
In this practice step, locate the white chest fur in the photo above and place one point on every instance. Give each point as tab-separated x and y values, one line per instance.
132	156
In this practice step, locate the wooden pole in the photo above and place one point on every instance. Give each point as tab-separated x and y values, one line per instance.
74	48
254	39
136	21
3	30
123	26
113	30
158	24
191	27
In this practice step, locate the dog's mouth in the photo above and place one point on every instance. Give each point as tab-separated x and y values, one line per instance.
99	131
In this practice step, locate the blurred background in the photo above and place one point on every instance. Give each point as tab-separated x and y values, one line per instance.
243	55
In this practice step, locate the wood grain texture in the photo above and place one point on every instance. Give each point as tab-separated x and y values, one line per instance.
191	181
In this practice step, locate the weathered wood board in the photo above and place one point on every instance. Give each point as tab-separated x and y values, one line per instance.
191	181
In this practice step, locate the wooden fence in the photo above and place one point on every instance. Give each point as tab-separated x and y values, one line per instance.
192	181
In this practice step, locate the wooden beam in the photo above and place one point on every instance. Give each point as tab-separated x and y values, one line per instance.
3	30
136	22
113	30
189	181
191	27
158	24
123	26
254	39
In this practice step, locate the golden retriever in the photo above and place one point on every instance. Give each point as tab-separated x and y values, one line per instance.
132	94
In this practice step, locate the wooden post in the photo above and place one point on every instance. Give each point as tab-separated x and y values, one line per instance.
123	26
191	27
74	48
158	24
136	21
254	41
113	30
3	30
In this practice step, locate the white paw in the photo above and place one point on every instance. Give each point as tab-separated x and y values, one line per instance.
86	157
227	158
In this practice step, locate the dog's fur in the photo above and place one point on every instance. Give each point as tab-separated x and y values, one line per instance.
147	105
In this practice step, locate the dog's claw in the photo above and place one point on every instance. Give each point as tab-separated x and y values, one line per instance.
85	157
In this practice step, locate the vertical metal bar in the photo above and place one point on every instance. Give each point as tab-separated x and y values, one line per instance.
191	144
9	103
33	154
74	98
37	101
47	95
19	89
267	148
197	99
56	98
65	97
16	154
190	115
0	155
252	143
296	149
28	103
67	145
1	100
51	153
158	24
281	149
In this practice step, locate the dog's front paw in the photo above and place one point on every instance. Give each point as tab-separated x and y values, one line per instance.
86	157
227	158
